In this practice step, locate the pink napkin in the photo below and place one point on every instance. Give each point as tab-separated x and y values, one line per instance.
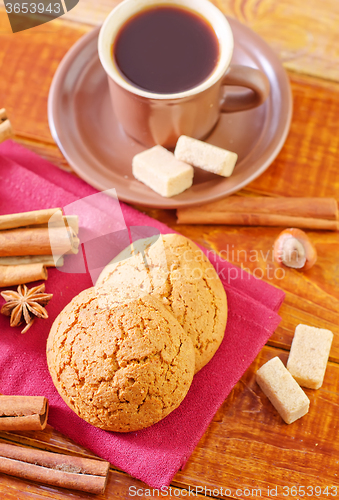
152	455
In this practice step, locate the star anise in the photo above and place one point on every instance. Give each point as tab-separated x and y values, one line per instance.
26	304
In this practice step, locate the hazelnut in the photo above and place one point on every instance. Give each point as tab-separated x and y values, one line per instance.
294	249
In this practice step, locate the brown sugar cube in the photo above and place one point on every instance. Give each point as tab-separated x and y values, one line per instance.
282	390
206	156
309	354
162	172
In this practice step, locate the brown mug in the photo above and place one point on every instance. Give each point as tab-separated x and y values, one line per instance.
152	118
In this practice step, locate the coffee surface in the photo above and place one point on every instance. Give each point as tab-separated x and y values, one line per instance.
166	50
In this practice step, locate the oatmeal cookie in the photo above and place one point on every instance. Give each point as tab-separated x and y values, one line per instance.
123	368
174	270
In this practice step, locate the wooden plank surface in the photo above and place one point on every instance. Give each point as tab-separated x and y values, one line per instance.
304	35
247	445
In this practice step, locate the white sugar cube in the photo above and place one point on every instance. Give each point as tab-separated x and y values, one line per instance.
206	156
162	172
309	354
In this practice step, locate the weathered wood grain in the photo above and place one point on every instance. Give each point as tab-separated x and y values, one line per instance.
249	446
307	164
119	487
28	63
304	35
312	297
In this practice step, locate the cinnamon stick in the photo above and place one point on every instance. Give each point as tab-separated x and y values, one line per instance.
23	413
18	275
46	260
55	469
306	213
5	126
314	208
10	221
38	241
238	219
71	221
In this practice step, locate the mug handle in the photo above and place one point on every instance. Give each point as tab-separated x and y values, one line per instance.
251	78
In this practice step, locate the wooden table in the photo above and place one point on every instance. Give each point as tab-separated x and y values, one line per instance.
247	450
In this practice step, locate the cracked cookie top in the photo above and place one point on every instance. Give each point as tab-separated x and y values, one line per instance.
174	270
122	368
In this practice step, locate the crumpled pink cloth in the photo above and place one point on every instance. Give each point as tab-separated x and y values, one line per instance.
155	454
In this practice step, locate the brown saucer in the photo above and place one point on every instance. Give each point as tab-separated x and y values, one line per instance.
83	124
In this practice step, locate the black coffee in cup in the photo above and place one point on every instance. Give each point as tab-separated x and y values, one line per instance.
166	50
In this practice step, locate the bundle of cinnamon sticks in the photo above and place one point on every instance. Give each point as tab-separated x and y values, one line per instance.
25	413
32	241
56	469
304	213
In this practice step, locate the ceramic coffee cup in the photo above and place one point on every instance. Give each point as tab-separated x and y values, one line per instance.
152	118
